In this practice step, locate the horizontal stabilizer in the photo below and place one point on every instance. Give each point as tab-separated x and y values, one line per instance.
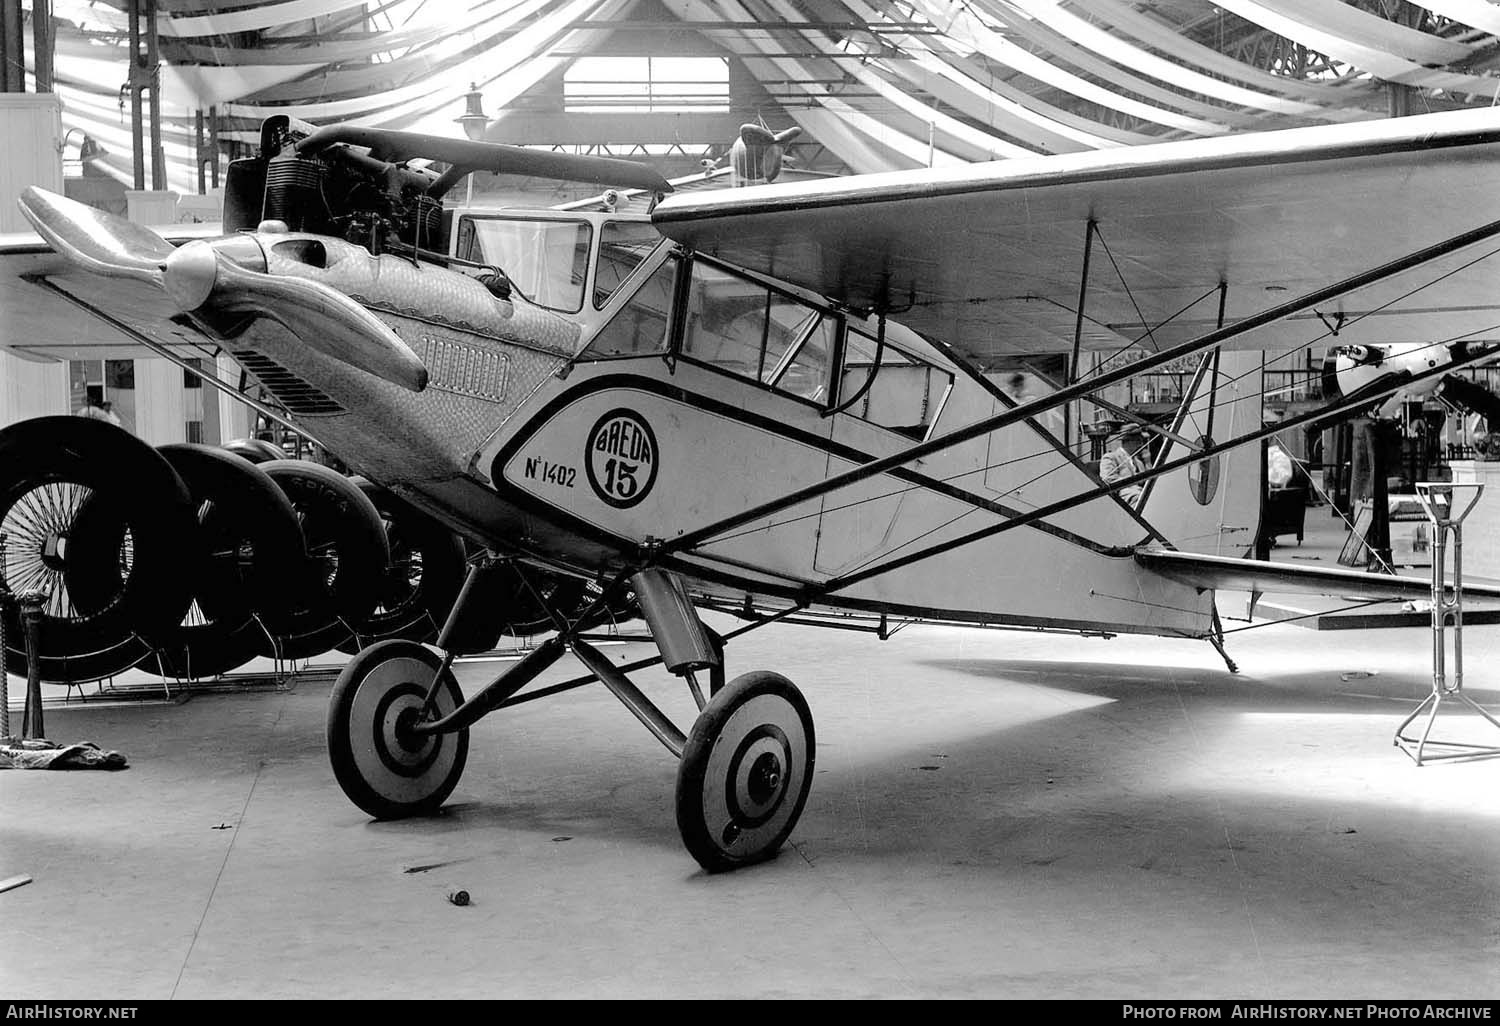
1227	573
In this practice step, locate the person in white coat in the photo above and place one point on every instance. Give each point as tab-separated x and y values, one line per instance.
1126	459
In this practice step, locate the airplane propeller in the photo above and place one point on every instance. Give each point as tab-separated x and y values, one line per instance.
213	276
98	240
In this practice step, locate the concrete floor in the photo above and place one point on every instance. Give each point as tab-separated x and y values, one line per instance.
995	814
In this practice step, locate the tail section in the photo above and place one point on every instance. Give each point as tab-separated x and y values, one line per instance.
1212	506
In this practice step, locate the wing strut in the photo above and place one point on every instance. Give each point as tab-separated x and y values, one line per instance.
1083	295
1022	411
1326	413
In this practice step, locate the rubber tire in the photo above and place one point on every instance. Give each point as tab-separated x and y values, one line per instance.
256	450
700	758
133	485
317	609
239	508
415	613
353	748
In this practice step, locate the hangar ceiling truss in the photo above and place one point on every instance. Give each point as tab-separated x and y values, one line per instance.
874	85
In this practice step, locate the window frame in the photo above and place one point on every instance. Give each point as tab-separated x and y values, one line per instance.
661	240
937	405
684	284
624	295
470	218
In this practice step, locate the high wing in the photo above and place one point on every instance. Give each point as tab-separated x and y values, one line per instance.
40	323
989	258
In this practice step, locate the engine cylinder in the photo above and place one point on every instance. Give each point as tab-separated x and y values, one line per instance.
294	193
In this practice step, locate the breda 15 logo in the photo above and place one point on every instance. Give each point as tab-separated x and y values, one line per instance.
621	458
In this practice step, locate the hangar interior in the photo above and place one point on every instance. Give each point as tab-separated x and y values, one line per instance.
1059	809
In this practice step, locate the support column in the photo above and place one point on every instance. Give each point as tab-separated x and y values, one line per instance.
43	44
12	48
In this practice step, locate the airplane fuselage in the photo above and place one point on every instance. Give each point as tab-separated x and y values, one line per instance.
684	393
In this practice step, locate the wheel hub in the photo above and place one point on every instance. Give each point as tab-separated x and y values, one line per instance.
404	733
764	779
54	550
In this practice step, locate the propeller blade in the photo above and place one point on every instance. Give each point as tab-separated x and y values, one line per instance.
98	241
321	317
467	155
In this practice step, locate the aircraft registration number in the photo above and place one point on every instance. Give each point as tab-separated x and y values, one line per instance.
554	473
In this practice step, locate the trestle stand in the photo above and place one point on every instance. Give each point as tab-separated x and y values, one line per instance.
1438	502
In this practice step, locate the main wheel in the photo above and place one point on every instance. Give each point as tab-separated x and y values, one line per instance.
745	772
99	522
382	766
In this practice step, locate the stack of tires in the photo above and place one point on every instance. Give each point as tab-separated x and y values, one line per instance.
190	560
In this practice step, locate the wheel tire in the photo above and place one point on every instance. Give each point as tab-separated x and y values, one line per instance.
421	582
53	469
251	543
347	553
746	772
256	450
380	690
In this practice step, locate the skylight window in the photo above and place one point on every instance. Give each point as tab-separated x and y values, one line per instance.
621	85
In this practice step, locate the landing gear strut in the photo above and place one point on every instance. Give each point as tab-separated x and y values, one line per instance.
398	725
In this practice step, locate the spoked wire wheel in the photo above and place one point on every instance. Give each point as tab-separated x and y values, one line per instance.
98	524
82	634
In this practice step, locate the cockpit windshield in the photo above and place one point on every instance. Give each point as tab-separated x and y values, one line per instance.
547	262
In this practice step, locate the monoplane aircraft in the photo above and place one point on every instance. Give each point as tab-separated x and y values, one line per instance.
788	401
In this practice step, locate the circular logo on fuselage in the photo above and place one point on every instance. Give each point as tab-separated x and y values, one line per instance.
1203	476
621	458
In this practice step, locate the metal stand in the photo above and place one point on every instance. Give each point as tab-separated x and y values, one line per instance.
32	726
1437	501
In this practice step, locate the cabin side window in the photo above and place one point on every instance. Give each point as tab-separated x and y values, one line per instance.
640	328
905	392
622	247
742	327
547	262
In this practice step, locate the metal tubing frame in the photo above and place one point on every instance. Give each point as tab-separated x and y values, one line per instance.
498	690
1202	343
663	729
1442	608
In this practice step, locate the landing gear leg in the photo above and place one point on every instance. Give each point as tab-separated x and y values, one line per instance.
398	726
747	762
